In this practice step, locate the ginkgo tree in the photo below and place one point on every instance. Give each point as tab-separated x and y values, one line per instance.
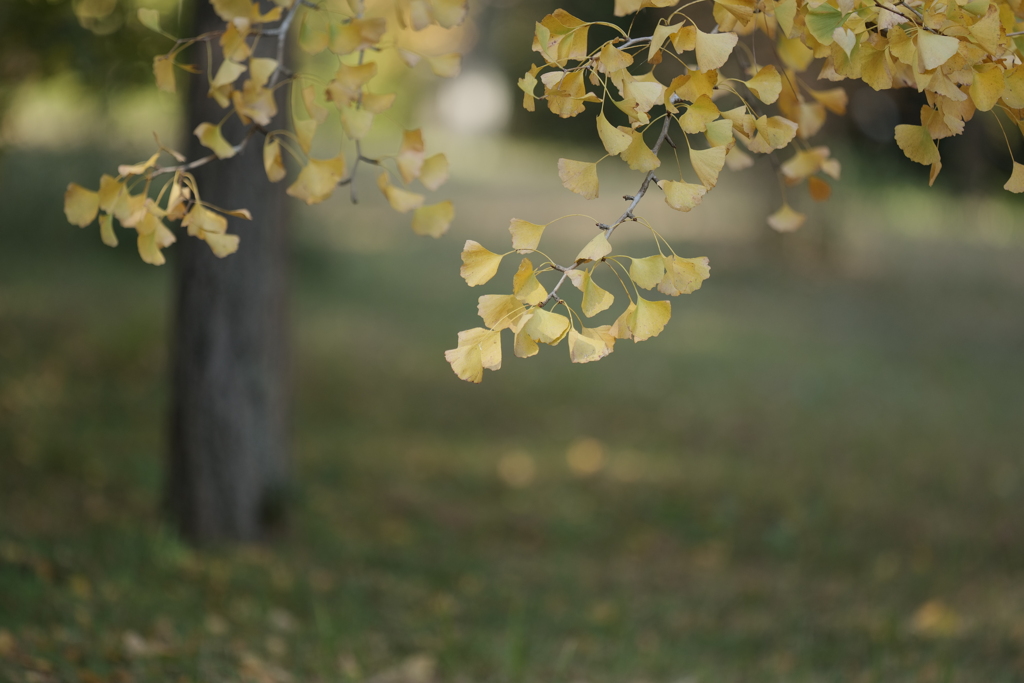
696	87
717	83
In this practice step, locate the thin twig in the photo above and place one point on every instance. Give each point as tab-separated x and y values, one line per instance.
634	200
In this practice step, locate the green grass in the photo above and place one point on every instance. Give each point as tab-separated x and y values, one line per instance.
812	475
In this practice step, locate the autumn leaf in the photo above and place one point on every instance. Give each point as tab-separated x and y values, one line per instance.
596	249
211	137
478	263
316	182
648	318
579	177
1016	181
786	219
683	275
525	235
433	220
682	196
917	144
525	285
707	164
80	205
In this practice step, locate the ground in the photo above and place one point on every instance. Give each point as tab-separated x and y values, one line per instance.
814	474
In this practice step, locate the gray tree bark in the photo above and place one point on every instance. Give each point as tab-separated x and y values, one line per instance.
227	467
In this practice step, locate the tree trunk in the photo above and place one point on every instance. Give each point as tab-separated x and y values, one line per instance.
228	458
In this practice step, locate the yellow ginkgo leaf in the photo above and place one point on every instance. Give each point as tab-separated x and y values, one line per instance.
273	164
595	298
612	59
766	84
1016	181
833	99
546	327
478	348
698	115
378	103
596	249
713	49
356	122
917	144
647	272
786	219
449	13
478	263
150	18
638	155
211	137
446	66
163	72
316	182
614	140
1013	93
525	235
523	346
400	200
579	177
648	318
499	311
305	131
200	220
261	69
221	244
684	275
987	87
433	220
525	285
434	172
227	73
682	196
110	191
590	344
138	169
707	164
620	328
934	49
410	155
719	133
80	205
107	230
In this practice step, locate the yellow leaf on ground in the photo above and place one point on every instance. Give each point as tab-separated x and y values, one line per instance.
786	219
316	182
525	235
917	144
682	196
433	220
80	205
478	263
648	318
579	177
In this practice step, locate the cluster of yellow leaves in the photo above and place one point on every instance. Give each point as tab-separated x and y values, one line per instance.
965	55
525	314
245	86
120	197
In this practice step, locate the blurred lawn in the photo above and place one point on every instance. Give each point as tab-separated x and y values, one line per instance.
814	474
